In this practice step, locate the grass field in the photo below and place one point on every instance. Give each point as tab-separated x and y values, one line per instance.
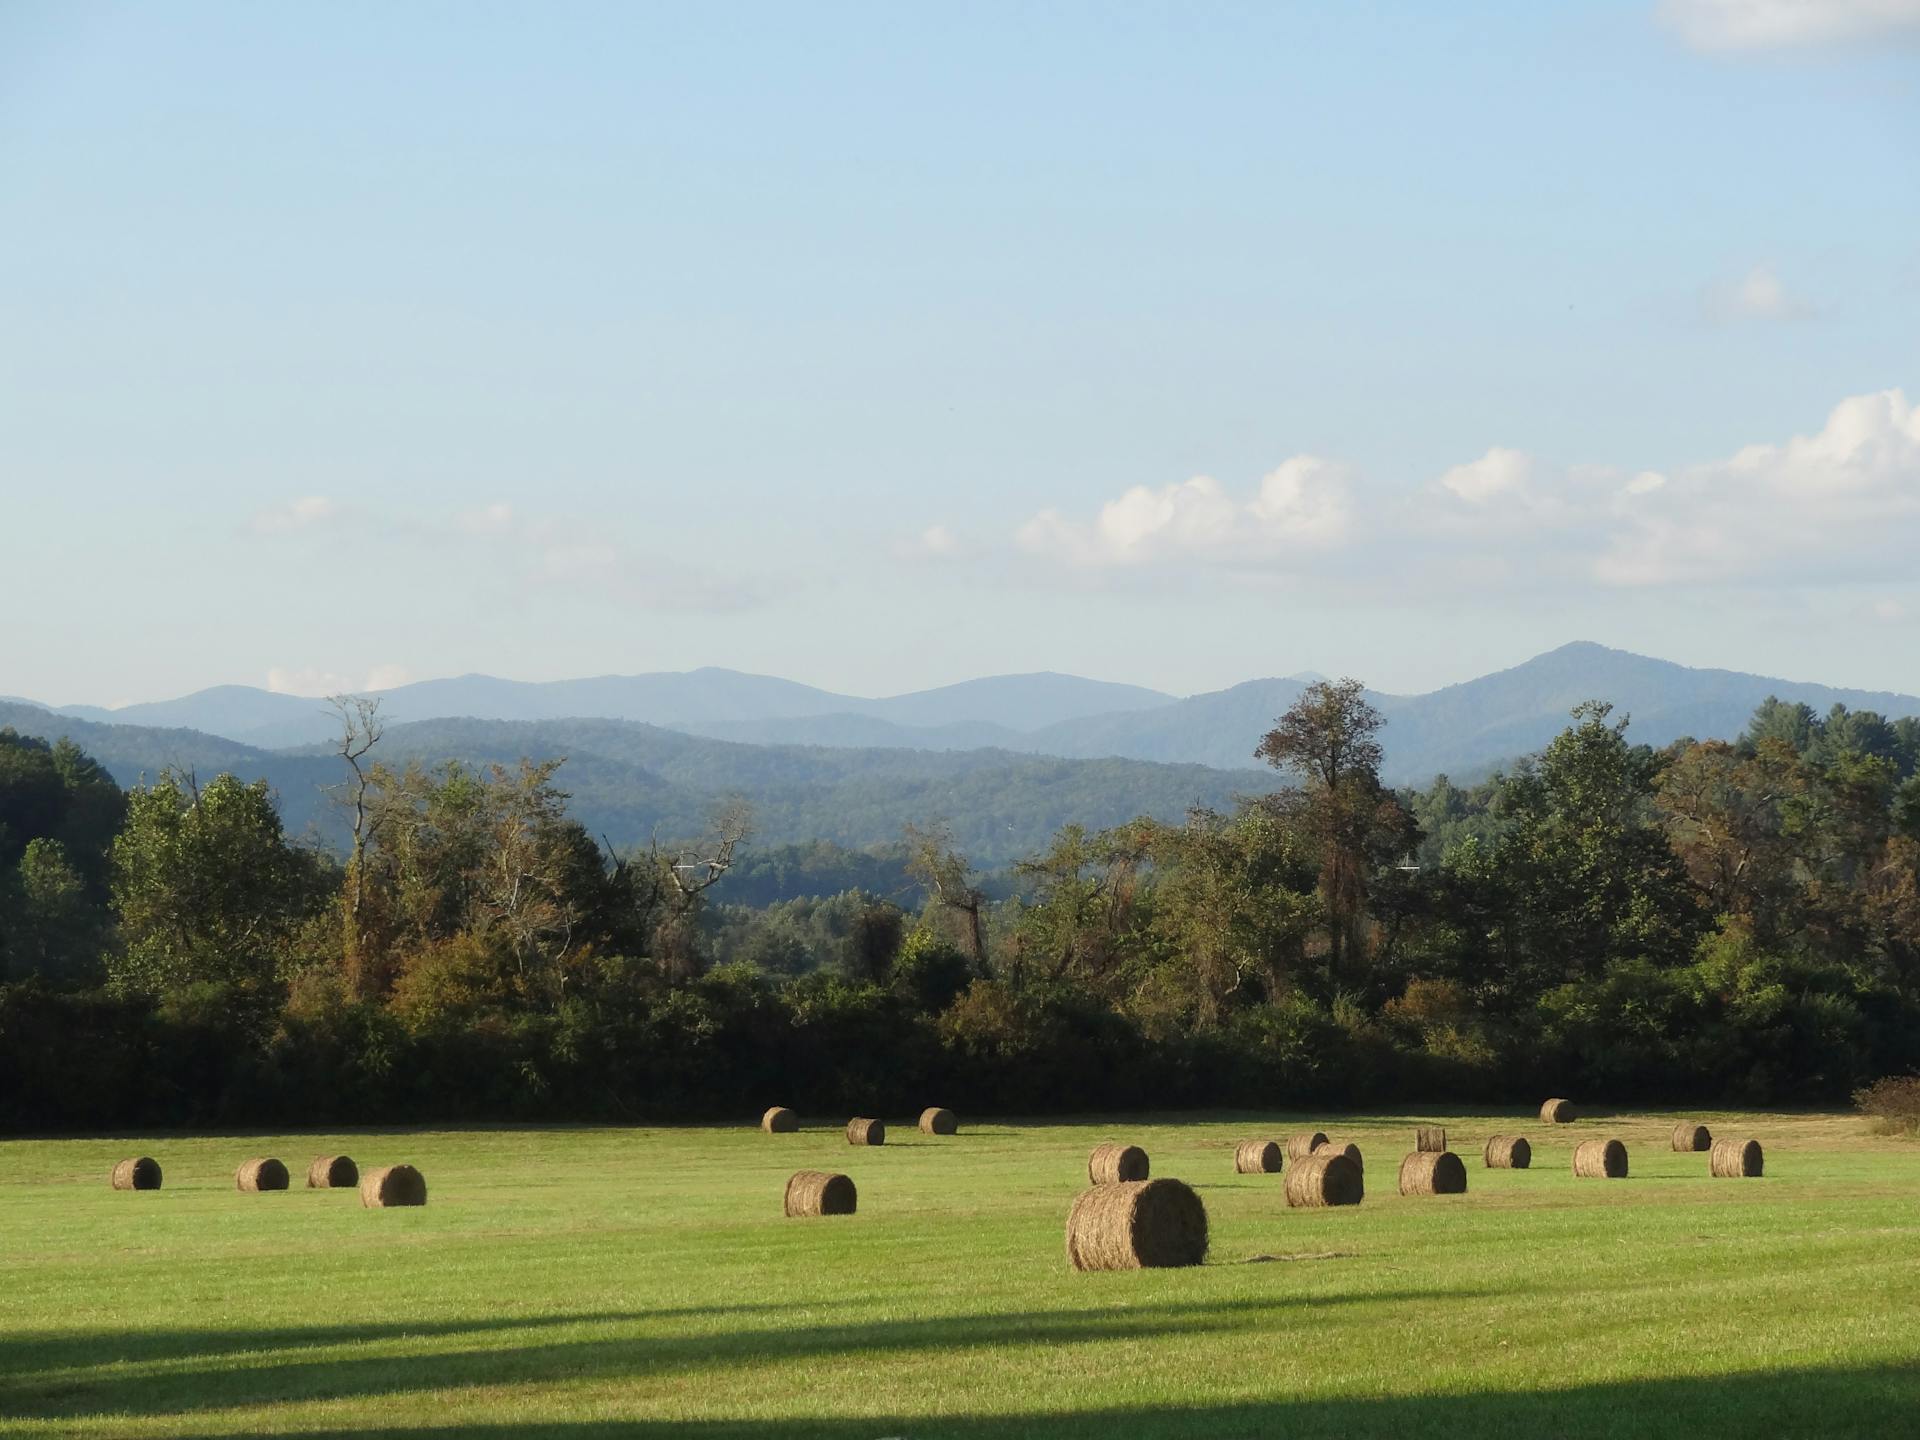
582	1283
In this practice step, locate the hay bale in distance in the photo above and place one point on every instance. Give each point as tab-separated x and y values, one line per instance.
393	1185
779	1121
261	1173
934	1120
1325	1178
1507	1152
1600	1160
1433	1172
1115	1164
866	1132
1136	1225
142	1173
1299	1147
1430	1137
1257	1157
1689	1137
1352	1152
815	1192
1557	1112
332	1172
1736	1159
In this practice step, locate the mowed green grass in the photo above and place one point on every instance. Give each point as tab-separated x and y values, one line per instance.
610	1282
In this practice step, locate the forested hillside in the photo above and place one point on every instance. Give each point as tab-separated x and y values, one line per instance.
1609	919
631	783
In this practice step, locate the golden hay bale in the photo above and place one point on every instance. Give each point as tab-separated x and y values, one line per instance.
936	1121
866	1132
780	1121
1430	1137
1557	1112
1136	1225
1114	1164
140	1174
1328	1177
815	1192
1257	1157
1507	1152
1735	1159
1600	1160
332	1172
1433	1172
1299	1147
1352	1152
393	1185
1689	1137
261	1173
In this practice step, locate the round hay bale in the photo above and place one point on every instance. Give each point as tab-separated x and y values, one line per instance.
1689	1137
1430	1137
1115	1164
1507	1152
816	1192
1299	1147
1736	1159
1600	1160
1137	1225
393	1185
1557	1112
866	1132
1328	1178
936	1121
142	1173
1257	1157
332	1172
1433	1172
780	1121
1352	1152
261	1173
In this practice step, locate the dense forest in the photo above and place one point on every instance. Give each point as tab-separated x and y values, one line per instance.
1735	921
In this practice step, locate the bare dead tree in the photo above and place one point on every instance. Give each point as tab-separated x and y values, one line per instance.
691	871
360	730
933	861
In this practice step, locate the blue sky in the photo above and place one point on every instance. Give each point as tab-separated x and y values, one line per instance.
880	346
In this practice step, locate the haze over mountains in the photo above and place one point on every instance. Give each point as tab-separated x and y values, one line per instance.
1007	758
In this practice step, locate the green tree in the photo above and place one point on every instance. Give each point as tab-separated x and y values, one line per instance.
207	887
1328	739
1584	875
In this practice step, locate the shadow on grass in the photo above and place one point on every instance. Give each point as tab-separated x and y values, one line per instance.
1844	1404
233	1382
82	1349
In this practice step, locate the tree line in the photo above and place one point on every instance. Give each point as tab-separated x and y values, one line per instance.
1736	921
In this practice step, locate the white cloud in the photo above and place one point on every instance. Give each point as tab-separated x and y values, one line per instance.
1498	472
387	677
310	680
1758	295
495	519
301	514
549	552
1787	24
1841	503
1302	506
936	542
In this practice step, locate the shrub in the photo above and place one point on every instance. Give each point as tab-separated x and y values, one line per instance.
1892	1104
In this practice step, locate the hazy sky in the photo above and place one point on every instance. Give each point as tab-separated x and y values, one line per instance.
881	346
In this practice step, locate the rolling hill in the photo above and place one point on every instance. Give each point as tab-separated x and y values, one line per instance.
631	782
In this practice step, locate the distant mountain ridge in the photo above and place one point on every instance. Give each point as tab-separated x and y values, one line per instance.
1464	729
683	700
